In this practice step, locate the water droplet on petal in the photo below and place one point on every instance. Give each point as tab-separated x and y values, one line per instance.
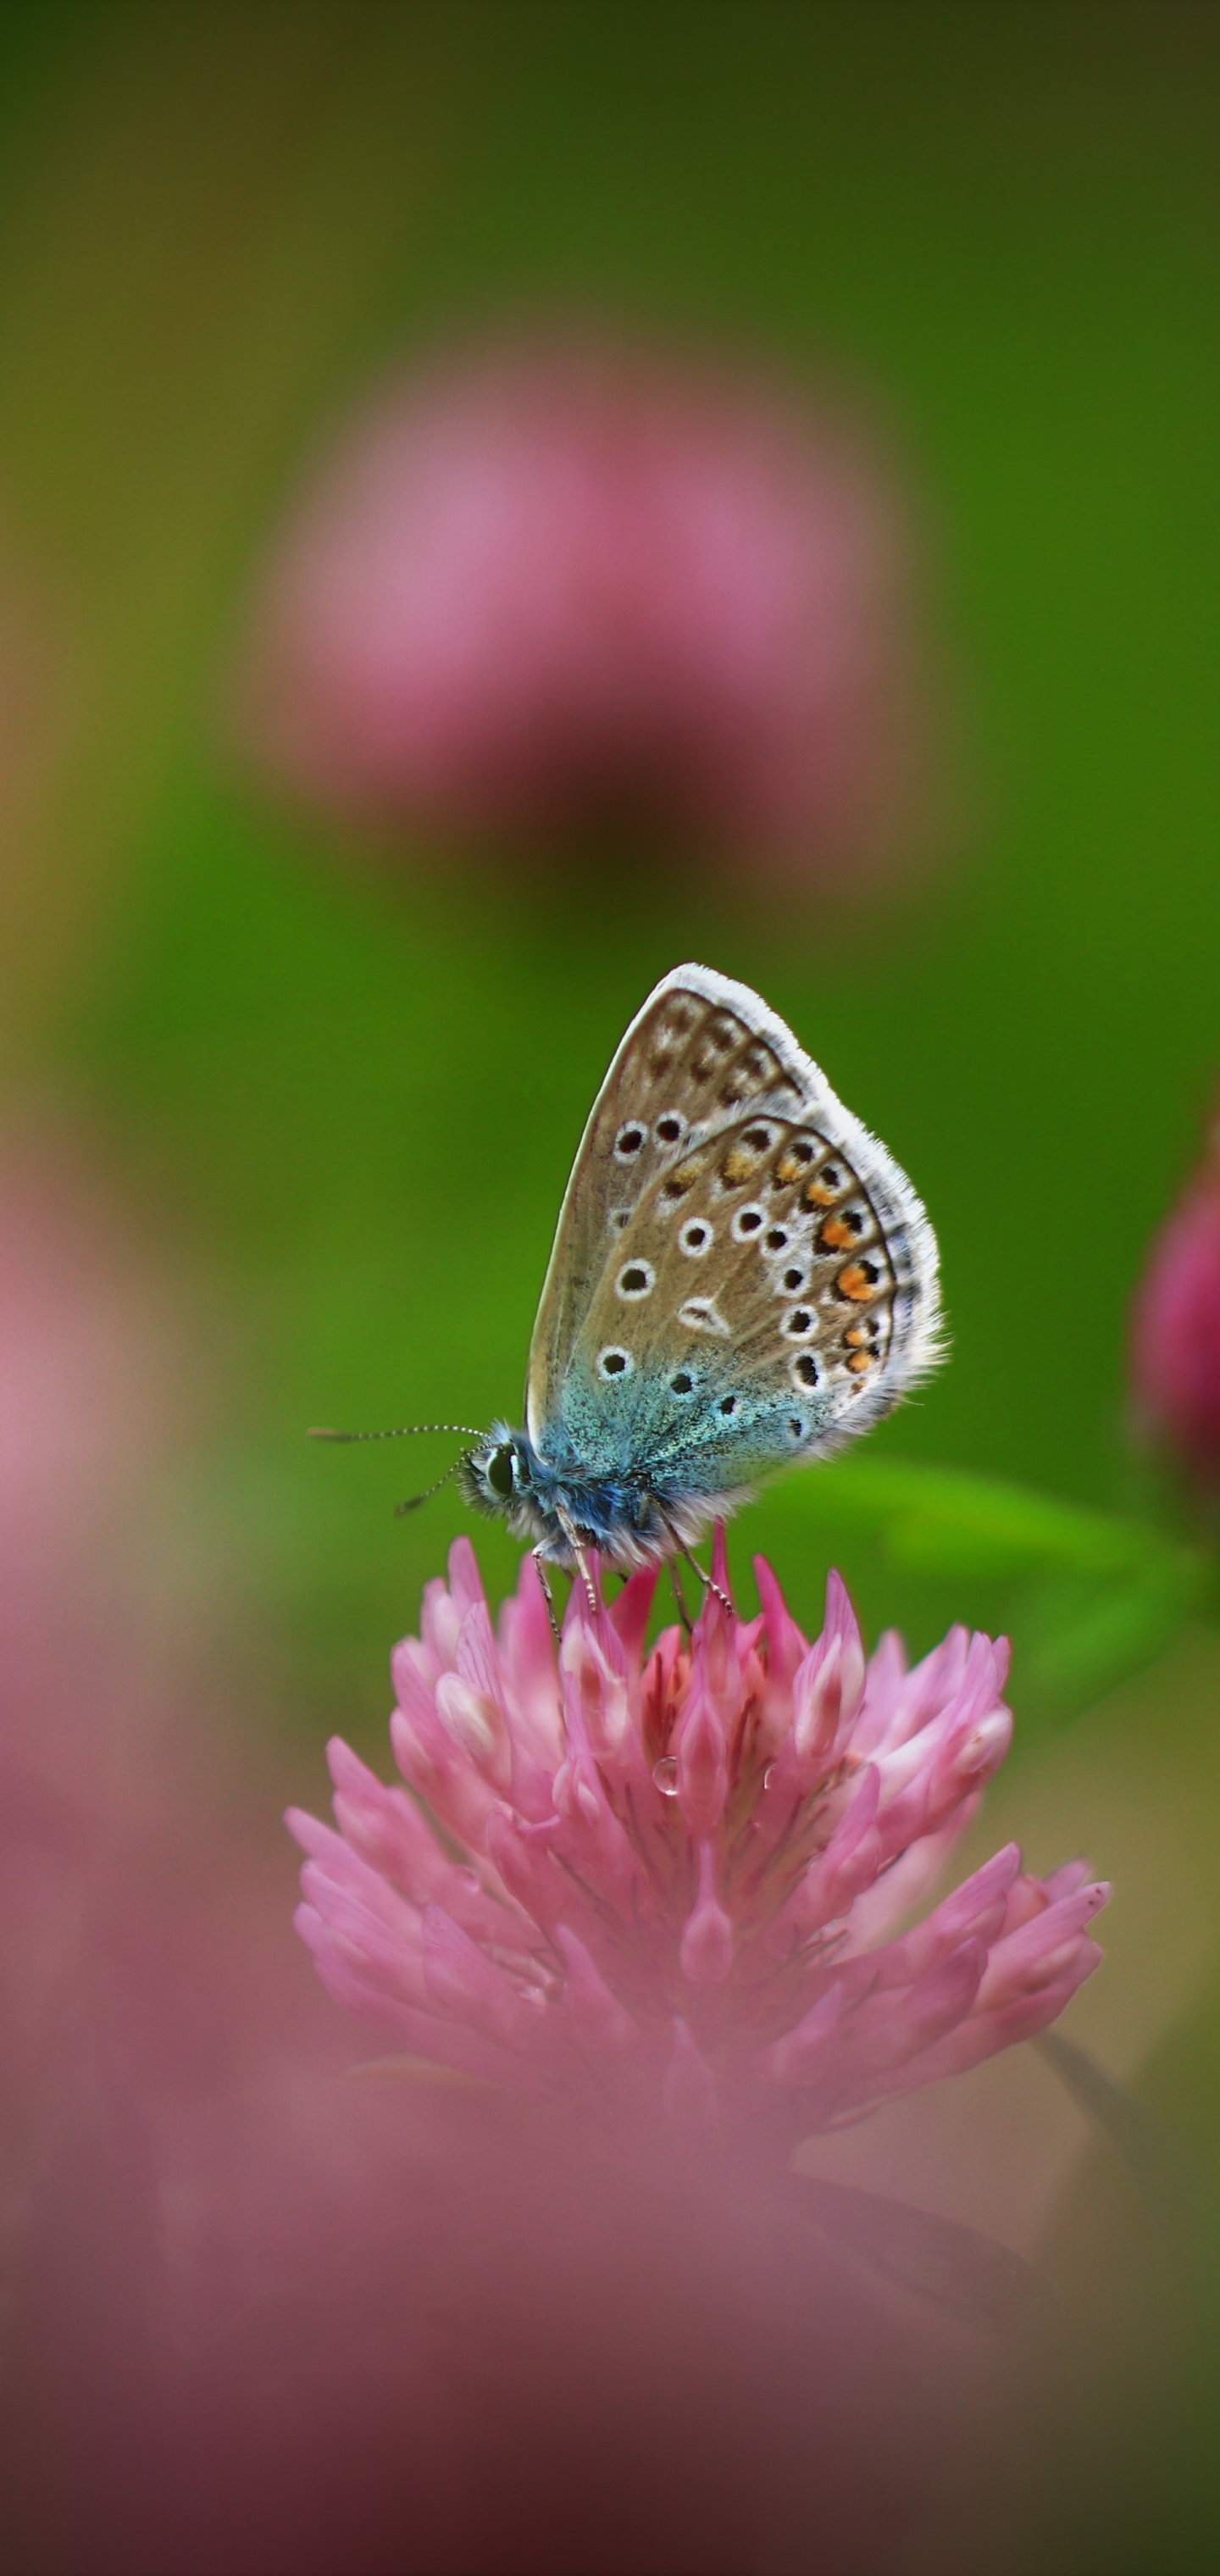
665	1774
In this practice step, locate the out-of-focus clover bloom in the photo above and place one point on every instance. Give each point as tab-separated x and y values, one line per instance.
1175	1349
678	1872
564	584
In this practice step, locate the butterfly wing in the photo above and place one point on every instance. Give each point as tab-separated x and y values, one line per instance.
741	1274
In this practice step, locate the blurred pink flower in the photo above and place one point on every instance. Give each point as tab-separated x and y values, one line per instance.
562	584
1175	1347
678	1872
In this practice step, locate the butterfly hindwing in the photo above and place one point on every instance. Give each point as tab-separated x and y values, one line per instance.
741	1273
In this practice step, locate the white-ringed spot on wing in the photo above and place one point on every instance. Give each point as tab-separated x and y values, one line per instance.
629	1140
748	1222
800	1323
805	1371
668	1130
776	1239
614	1362
727	1404
619	1217
792	1281
635	1279
696	1237
682	1383
701	1315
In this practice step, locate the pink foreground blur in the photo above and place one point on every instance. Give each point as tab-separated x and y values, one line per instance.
680	1869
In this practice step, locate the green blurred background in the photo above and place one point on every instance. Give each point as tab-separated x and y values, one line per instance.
215	222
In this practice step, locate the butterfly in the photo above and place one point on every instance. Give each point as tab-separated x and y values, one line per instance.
742	1278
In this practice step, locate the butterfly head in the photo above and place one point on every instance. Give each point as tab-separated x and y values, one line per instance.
499	1477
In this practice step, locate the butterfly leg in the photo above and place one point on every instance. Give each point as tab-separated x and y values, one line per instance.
582	1563
707	1580
679	1597
547	1595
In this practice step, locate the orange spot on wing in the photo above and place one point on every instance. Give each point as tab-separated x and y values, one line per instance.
858	1281
683	1178
836	1235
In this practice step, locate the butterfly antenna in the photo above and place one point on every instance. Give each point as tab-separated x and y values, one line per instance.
468	1430
413	1501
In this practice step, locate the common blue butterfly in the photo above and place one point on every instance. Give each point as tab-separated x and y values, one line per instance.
741	1278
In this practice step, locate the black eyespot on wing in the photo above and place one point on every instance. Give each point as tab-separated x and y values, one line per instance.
776	1238
749	1221
614	1363
795	1426
794	1279
805	1368
629	1140
728	1404
668	1129
682	1383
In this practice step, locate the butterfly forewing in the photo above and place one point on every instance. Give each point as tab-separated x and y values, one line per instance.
741	1273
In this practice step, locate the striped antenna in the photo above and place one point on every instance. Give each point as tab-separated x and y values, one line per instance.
468	1431
414	1501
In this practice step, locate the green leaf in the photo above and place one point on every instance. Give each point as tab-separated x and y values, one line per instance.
1087	1597
968	2276
1183	2204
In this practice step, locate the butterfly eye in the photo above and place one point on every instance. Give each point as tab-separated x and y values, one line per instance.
499	1473
614	1363
637	1280
696	1238
629	1140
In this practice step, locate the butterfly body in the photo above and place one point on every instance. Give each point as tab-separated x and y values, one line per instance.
742	1278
